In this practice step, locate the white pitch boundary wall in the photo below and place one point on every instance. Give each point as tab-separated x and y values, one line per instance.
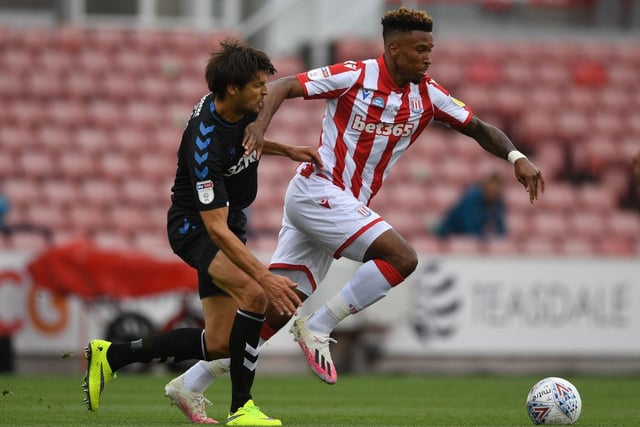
450	307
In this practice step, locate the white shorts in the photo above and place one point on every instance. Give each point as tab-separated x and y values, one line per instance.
321	222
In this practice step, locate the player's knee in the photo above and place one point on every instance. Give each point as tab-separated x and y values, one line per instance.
254	301
405	261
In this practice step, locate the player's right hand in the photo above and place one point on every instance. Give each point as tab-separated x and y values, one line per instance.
253	139
281	294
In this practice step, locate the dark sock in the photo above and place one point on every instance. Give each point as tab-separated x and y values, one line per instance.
243	344
174	346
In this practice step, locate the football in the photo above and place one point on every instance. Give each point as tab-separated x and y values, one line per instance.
554	400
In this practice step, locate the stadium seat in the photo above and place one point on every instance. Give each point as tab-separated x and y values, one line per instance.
616	246
462	245
426	244
353	49
60	192
87	218
623	224
77	165
595	198
109	240
115	166
539	246
47	217
587	224
127	220
152	243
506	246
577	246
558	197
32	241
549	225
98	193
37	164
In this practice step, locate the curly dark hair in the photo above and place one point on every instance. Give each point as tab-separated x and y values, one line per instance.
235	63
404	20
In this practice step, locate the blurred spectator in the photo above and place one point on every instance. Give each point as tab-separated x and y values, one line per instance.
4	209
480	212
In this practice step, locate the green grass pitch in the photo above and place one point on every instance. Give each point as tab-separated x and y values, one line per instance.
303	401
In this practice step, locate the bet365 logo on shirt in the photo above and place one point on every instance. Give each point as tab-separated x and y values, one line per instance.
384	129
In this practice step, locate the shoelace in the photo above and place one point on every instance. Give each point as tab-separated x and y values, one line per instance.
325	339
200	402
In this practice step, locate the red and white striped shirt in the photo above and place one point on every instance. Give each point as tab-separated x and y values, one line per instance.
369	122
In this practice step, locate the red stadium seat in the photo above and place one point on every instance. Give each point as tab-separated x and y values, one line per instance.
61	193
462	245
152	243
143	193
87	218
595	198
612	246
109	240
99	193
76	165
22	192
104	114
553	75
558	197
352	49
484	72
549	225
132	62
91	140
539	246
120	87
262	244
94	62
37	164
577	246
425	244
48	217
34	242
587	224
623	224
115	166
508	246
127	220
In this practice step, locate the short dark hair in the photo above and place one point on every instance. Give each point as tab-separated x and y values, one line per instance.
235	63
404	20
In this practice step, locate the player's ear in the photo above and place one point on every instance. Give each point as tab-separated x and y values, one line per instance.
232	90
392	48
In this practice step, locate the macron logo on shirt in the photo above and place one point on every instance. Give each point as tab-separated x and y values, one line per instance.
384	129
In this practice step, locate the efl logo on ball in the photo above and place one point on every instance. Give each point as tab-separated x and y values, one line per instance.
554	400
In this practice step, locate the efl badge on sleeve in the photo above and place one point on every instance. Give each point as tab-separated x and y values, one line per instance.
205	191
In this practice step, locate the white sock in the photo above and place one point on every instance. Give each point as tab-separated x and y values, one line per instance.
198	377
367	286
203	374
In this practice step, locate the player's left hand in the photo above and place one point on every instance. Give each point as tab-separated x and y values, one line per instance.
305	154
530	177
253	139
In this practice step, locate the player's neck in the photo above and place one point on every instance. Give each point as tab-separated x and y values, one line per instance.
228	111
393	74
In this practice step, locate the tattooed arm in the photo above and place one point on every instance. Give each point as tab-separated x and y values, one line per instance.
497	143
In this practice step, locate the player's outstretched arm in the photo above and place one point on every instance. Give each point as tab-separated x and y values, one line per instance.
279	289
497	143
295	153
278	91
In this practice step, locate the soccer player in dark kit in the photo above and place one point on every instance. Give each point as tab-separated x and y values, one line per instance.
216	179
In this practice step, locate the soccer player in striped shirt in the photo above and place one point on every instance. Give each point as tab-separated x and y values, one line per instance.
375	109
